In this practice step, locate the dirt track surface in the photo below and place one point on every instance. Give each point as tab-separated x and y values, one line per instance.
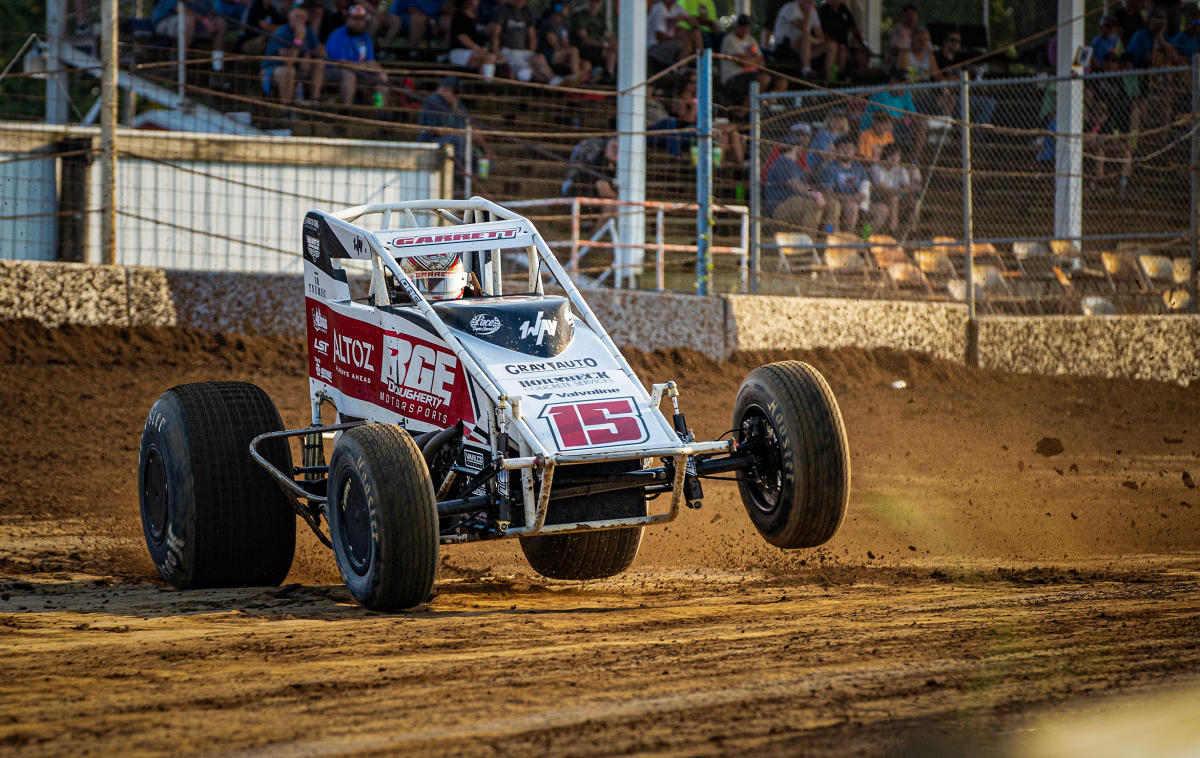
987	594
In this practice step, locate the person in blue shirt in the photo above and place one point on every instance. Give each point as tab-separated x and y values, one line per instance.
1150	48
352	48
293	52
1187	42
1107	41
844	182
199	22
909	127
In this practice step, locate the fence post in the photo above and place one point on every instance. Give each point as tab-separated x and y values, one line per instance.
108	131
56	78
755	188
181	52
704	174
1195	192
964	113
468	161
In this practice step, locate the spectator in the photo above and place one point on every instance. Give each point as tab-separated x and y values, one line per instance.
897	100
788	194
334	17
593	169
950	57
895	191
197	24
872	140
704	20
839	27
514	39
352	45
556	47
804	139
743	64
919	61
262	20
669	35
468	42
293	52
443	111
596	42
1104	147
900	38
233	11
427	20
1108	40
681	116
1187	42
837	125
1122	95
845	183
798	35
1174	12
1129	17
1150	48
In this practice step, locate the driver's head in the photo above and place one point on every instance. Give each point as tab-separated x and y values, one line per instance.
437	277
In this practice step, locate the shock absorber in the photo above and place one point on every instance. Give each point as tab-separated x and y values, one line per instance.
693	492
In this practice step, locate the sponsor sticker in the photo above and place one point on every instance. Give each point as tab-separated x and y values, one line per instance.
438	239
545	367
484	324
320	346
566	380
539	328
320	323
312	247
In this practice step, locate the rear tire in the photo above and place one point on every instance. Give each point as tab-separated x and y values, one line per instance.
787	416
382	517
211	516
588	555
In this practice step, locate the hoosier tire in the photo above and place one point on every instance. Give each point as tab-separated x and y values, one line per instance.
383	518
787	417
211	516
589	555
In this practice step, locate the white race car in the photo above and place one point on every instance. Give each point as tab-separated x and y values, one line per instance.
465	412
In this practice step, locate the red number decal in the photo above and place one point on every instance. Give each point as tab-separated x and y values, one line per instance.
600	422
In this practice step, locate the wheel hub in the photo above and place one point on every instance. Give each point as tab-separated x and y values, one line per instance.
154	495
759	439
355	520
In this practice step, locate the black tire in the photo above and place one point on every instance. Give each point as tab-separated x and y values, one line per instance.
589	555
786	414
213	517
383	517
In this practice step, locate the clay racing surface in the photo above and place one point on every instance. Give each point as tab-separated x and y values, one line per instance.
1018	572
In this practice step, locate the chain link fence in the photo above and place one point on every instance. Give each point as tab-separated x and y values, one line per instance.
873	209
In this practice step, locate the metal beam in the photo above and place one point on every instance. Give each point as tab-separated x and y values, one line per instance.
56	80
631	127
1068	155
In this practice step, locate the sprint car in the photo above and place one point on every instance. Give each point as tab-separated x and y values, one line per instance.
502	411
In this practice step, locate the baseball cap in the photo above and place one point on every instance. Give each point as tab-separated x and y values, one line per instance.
742	20
449	82
802	128
356	11
1108	20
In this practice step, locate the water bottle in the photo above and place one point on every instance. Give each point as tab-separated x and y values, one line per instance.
739	192
717	155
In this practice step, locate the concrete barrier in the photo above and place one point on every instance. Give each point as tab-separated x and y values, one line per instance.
1161	348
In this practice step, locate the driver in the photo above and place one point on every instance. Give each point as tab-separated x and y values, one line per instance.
440	277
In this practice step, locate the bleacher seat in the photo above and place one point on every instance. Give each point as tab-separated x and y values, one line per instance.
793	243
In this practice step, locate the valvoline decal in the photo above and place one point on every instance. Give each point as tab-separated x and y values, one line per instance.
401	373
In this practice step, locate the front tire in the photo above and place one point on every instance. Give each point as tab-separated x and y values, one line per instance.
211	516
787	417
383	517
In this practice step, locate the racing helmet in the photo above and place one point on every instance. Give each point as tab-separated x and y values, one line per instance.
437	277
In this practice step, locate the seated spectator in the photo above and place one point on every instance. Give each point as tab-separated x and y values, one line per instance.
592	171
681	115
951	56
1108	40
1130	18
293	52
669	35
556	48
872	140
845	184
789	196
703	19
596	42
1150	48
233	11
900	38
353	47
919	61
800	134
908	127
837	125
743	64
1187	42
428	22
895	192
468	41
798	36
443	111
262	20
1122	95
514	39
849	47
196	25
1102	146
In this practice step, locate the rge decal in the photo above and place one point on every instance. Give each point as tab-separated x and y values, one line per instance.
418	371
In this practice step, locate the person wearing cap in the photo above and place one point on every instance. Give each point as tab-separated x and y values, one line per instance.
804	132
556	47
199	22
742	64
1150	47
789	196
596	42
514	39
900	38
845	40
293	52
836	125
443	111
798	35
351	48
1187	42
1108	40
